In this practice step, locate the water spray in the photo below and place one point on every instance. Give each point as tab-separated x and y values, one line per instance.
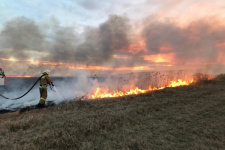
53	88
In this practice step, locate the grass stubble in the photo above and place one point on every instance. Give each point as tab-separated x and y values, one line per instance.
189	117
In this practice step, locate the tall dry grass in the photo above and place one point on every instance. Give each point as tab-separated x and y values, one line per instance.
189	117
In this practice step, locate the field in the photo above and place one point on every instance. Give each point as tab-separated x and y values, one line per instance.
190	117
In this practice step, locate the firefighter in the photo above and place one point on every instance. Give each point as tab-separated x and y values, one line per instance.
44	82
2	73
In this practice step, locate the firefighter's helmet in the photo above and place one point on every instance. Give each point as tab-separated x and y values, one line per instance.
47	71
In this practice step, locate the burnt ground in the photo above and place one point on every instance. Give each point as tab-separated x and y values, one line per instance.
190	117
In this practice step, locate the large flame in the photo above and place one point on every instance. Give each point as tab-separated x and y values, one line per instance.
99	94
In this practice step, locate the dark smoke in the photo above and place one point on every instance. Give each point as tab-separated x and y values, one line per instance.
23	38
100	43
63	44
98	46
194	43
20	34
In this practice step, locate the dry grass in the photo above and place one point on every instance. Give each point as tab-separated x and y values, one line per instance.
190	117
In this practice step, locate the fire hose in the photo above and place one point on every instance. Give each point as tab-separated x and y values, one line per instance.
26	92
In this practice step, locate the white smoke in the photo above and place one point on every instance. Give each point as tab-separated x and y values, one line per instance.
83	85
65	90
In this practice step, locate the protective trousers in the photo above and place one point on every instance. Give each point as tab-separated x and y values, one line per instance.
43	94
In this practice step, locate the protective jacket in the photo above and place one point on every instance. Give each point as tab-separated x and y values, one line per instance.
45	80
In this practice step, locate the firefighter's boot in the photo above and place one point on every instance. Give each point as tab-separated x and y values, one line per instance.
41	104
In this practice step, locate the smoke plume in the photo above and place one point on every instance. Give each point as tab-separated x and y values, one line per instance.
115	43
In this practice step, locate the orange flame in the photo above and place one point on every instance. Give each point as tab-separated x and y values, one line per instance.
135	91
